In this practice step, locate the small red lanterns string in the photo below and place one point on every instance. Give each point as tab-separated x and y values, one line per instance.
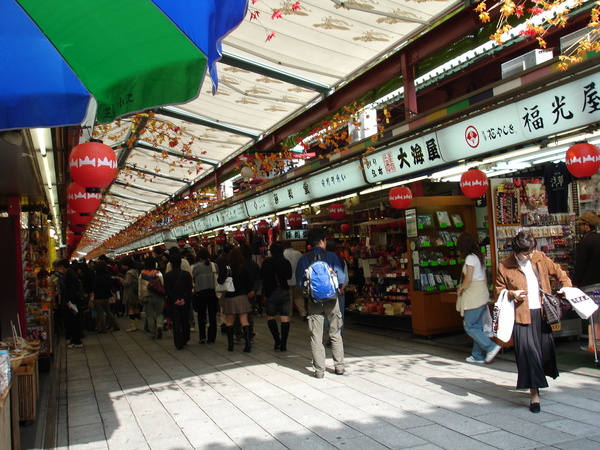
400	197
262	227
220	239
239	236
294	220
93	165
337	211
192	241
474	183
205	241
583	160
181	243
82	201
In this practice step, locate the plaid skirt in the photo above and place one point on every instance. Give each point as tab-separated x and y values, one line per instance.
236	305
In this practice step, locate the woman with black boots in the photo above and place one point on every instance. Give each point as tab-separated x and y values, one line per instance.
275	272
236	302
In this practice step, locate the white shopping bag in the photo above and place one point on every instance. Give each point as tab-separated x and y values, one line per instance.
583	305
504	317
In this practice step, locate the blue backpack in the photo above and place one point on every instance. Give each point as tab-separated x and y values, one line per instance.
320	280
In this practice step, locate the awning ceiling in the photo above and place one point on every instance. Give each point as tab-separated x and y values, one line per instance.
262	84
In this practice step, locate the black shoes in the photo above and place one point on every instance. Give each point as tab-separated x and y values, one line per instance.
534	408
339	371
319	374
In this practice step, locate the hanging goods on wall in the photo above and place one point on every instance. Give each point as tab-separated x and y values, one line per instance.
93	164
583	159
337	211
474	183
400	197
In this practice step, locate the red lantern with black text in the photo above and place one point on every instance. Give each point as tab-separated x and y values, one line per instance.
193	241
239	236
262	227
583	160
337	211
474	183
220	239
400	197
345	228
181	243
294	220
205	241
82	201
93	164
77	227
76	218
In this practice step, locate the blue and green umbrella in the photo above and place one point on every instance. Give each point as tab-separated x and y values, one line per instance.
129	56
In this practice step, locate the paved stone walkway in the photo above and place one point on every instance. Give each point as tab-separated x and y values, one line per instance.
128	391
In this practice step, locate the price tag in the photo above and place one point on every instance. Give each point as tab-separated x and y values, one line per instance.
443	225
450	244
452	262
444	263
459	225
426	243
442	286
430	288
434	263
424	263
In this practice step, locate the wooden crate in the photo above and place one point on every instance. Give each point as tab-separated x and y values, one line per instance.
26	381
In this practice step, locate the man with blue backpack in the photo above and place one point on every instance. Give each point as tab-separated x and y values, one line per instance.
321	273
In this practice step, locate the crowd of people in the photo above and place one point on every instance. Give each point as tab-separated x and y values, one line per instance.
170	289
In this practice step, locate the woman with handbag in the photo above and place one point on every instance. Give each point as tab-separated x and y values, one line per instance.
473	298
205	301
236	301
522	274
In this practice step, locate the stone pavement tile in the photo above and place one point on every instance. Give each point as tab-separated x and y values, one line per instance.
302	441
83	415
273	420
178	442
446	438
325	426
388	435
85	435
460	423
531	426
81	398
579	444
398	417
114	401
506	440
253	436
361	442
574	427
80	384
205	434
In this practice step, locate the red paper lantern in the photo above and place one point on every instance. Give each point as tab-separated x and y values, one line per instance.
76	218
205	241
345	228
181	243
77	227
583	160
220	239
93	164
400	197
239	236
262	227
337	211
294	220
193	241
73	237
474	183
82	201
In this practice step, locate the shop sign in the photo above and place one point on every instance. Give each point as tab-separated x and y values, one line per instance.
236	213
260	205
209	222
402	159
291	235
553	111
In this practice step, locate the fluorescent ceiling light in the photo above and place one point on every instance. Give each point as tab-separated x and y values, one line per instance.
337	199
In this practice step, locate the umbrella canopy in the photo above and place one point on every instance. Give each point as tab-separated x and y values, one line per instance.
129	56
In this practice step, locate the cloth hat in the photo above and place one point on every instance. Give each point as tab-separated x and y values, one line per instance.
590	218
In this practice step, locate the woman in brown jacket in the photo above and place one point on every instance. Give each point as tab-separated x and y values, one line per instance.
534	345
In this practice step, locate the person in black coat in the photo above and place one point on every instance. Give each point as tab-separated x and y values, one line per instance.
178	286
72	303
102	292
587	260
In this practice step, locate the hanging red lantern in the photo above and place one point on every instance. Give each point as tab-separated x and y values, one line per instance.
193	241
262	227
239	236
400	197
76	218
474	183
294	220
181	243
77	227
220	239
583	159
93	164
205	241
337	211
82	201
345	228
73	237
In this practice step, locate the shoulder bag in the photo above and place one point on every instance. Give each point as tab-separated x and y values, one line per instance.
156	287
227	285
551	307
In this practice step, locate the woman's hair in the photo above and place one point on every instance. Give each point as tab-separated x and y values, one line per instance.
276	250
149	263
236	260
204	255
129	263
523	242
466	245
101	268
175	261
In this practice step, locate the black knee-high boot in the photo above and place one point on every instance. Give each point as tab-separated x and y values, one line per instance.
246	331
229	331
285	331
275	332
